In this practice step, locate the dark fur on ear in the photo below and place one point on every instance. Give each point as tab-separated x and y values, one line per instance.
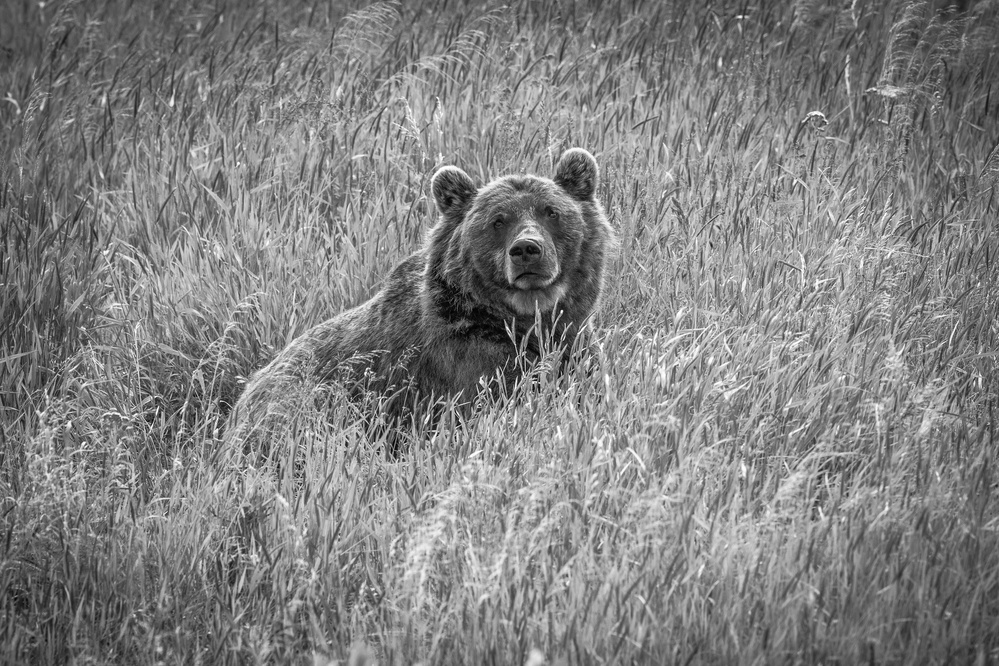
453	190
576	173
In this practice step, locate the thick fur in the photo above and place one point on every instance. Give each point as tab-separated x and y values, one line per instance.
521	258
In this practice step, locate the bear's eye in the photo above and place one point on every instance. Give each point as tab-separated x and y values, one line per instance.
498	223
551	213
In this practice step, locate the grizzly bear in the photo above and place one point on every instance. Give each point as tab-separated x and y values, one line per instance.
508	266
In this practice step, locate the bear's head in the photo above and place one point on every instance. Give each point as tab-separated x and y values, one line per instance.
523	244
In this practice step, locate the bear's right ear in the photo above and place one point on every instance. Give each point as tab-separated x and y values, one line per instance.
576	173
452	188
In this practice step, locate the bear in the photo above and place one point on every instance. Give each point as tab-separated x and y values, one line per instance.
506	267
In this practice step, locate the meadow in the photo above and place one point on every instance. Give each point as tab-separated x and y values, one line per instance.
788	453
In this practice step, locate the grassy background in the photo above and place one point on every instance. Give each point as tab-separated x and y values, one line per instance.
789	456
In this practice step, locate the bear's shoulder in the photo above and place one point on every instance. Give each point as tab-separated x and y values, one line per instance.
403	282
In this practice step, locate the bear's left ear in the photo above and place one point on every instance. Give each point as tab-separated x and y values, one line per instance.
576	173
452	189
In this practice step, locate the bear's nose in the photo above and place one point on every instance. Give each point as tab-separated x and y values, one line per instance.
526	251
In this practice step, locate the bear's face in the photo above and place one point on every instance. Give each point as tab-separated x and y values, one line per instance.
517	240
523	234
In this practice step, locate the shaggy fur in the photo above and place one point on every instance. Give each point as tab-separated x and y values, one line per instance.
520	257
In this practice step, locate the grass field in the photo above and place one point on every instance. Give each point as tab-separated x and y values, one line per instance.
789	454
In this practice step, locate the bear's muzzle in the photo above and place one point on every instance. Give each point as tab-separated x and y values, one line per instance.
530	260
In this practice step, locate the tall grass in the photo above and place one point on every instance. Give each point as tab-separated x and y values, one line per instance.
788	453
